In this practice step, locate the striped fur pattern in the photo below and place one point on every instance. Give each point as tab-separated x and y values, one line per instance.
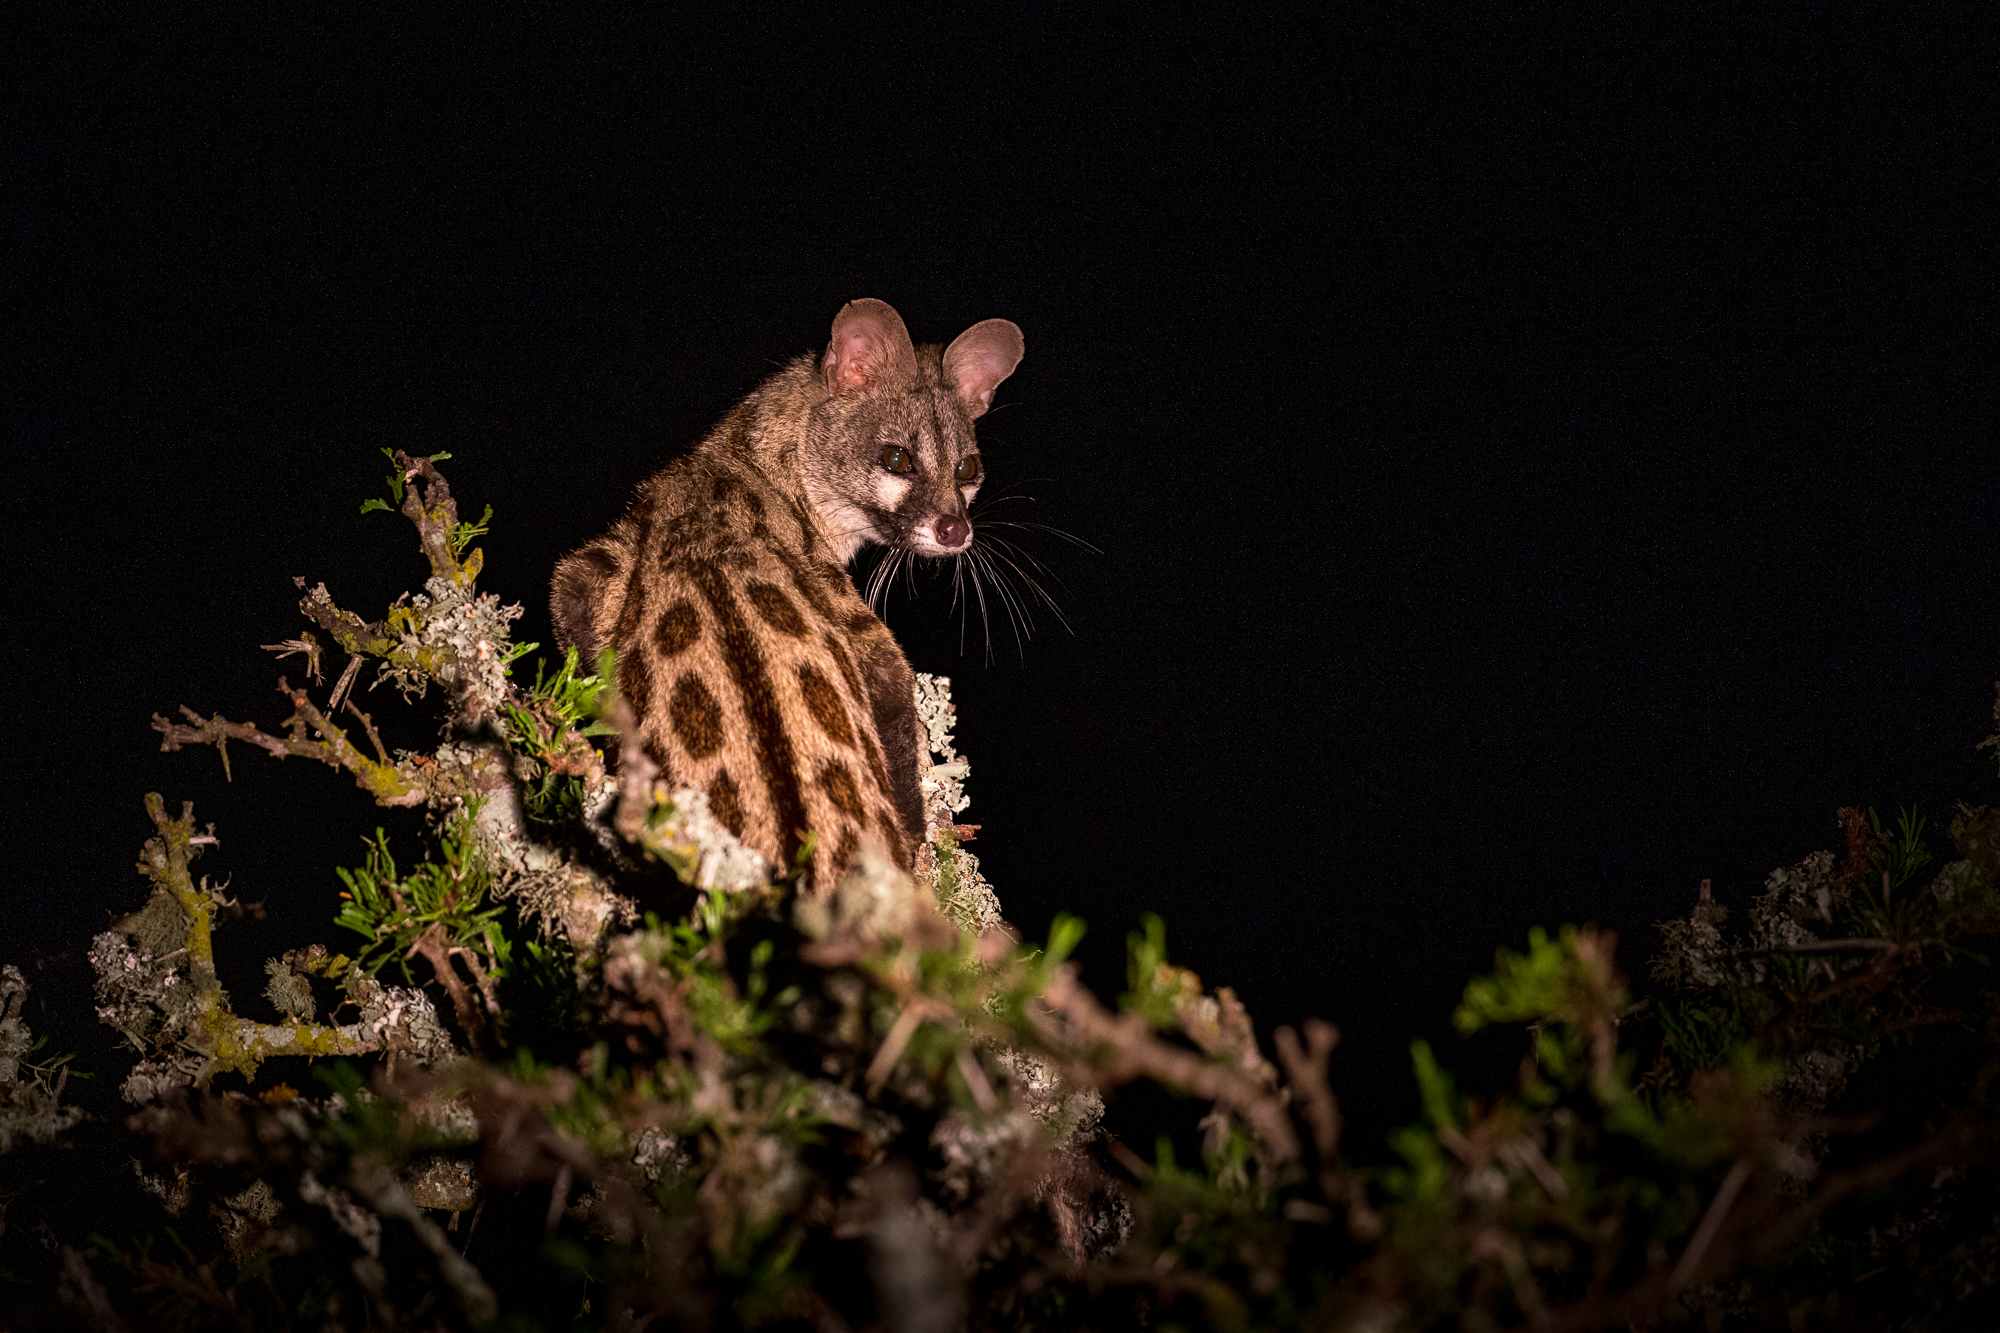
757	672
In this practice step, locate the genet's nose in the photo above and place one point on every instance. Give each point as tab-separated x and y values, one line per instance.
951	530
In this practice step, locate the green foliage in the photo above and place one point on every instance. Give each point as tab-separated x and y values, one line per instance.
446	898
1698	1036
751	1107
1553	981
1901	852
1152	983
552	728
462	533
396	483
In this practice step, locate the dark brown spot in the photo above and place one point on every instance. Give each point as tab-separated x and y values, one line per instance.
685	531
690	525
843	853
696	716
634	604
840	789
724	803
836	578
744	656
635	682
776	608
811	538
739	560
755	504
823	702
678	630
657	753
875	764
808	588
724	487
846	665
863	622
892	834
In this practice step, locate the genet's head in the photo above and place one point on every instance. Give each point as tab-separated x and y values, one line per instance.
892	448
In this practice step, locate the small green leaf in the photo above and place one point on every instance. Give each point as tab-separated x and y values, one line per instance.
1435	1085
395	477
462	534
1065	933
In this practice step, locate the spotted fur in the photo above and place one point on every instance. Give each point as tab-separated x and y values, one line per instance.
756	670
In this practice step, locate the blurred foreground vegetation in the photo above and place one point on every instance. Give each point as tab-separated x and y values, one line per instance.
584	1061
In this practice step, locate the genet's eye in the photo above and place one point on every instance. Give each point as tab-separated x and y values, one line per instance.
968	470
896	458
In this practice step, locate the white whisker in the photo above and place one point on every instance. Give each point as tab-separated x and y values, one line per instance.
991	572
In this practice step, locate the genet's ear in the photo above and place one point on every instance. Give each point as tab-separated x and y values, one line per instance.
980	358
870	349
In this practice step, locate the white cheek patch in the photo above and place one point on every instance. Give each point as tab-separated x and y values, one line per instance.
890	490
850	527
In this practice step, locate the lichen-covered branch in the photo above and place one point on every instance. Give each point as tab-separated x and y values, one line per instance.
430	507
31	1109
309	734
878	1106
156	983
1113	1049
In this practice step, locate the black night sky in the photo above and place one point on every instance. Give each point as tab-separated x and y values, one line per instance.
1536	464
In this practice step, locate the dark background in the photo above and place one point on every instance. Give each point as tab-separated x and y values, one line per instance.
1536	462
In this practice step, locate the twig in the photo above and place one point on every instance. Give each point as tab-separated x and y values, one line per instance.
430	946
391	784
975	1079
478	1211
345	683
229	1040
368	725
558	1196
306	644
899	1036
1711	1222
1117	1049
1306	1072
435	515
351	632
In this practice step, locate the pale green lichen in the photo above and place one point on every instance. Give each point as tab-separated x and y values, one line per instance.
1067	1114
943	780
703	852
873	901
31	1109
1797	901
451	635
1692	951
962	893
289	992
951	872
156	984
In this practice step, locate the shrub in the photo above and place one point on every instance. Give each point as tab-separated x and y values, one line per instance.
542	1106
